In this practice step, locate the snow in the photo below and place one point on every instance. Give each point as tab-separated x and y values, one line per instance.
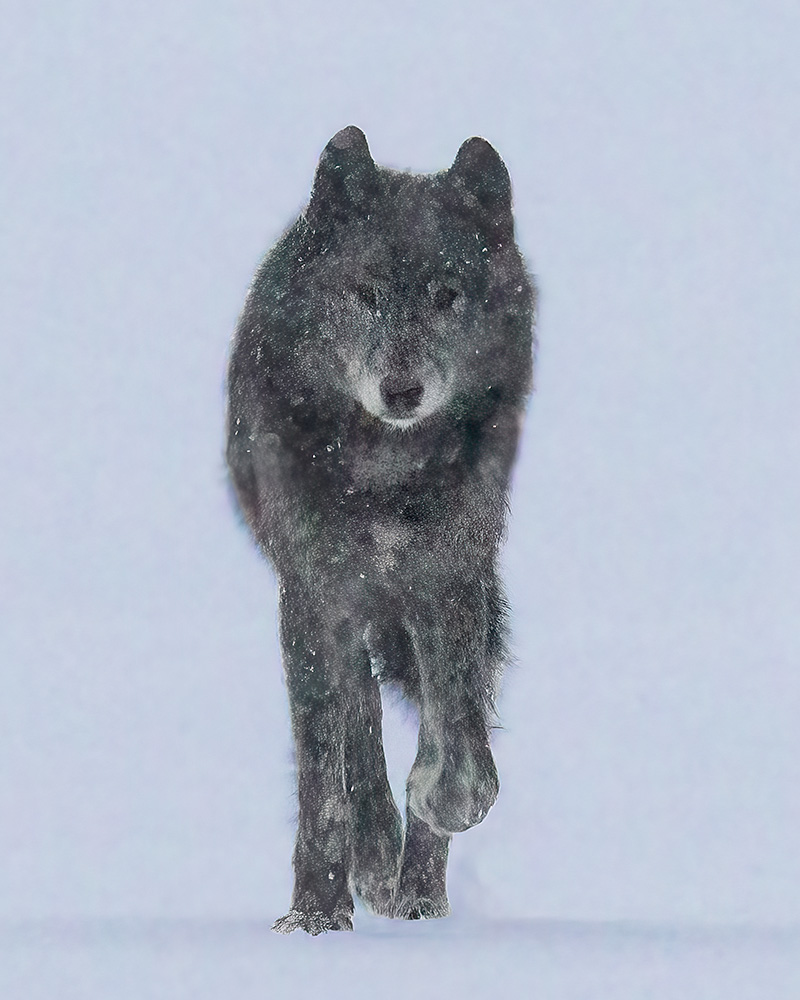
218	959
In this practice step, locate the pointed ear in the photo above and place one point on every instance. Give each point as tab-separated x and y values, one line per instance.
480	180
346	181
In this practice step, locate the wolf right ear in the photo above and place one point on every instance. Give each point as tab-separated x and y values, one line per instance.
480	180
346	181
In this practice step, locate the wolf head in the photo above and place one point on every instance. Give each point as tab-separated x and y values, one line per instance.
414	281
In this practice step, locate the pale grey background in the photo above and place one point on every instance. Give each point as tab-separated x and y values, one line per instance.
151	153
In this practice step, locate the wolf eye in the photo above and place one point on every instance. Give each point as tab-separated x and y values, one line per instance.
368	295
444	297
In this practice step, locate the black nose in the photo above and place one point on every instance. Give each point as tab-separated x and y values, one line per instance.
401	393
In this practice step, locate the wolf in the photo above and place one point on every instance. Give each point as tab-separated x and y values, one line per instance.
377	383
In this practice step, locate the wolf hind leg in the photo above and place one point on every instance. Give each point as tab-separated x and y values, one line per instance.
376	828
422	886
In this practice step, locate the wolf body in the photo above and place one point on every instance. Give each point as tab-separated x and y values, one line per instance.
377	383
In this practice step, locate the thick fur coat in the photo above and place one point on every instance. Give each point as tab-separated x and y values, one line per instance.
377	383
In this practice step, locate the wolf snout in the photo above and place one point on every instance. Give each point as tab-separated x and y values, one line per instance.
401	397
401	394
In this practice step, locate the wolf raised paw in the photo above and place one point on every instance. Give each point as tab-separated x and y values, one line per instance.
454	789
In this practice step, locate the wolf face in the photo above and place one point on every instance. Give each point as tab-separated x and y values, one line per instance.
407	276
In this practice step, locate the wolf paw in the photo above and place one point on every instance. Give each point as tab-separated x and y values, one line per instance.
421	908
312	923
456	791
376	894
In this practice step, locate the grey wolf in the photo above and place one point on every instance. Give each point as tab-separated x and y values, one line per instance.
377	384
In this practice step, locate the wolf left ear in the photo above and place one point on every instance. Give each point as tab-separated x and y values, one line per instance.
346	181
480	179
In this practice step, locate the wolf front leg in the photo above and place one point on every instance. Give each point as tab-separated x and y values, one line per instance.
314	664
458	642
454	781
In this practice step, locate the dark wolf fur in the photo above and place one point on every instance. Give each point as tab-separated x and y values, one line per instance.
377	383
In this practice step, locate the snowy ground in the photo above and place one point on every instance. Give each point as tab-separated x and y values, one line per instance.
242	960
